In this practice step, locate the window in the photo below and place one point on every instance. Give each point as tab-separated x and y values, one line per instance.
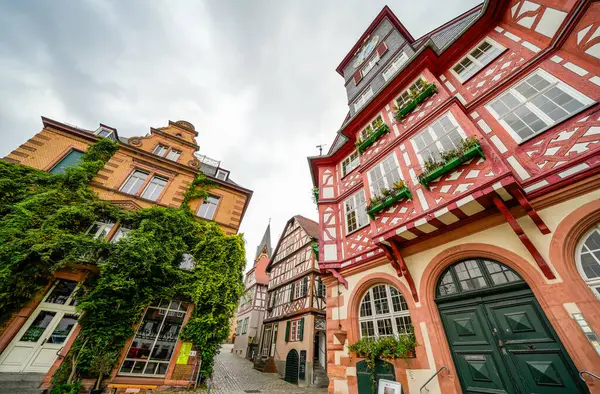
222	175
174	154
238	327
440	136
160	150
154	188
102	132
296	329
406	96
152	347
588	259
480	56
100	230
363	98
391	70
62	292
134	182
475	274
384	175
369	66
301	288
536	103
384	312
121	233
245	326
71	159
355	208
371	127
187	262
350	163
208	208
321	289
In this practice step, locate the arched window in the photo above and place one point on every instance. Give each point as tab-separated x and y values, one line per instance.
474	274
383	312
588	259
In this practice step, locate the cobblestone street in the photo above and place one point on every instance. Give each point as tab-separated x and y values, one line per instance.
235	375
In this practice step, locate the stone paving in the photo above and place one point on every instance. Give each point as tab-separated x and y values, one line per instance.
235	375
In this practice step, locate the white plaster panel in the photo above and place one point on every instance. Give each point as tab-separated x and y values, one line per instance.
575	68
499	144
514	163
330	252
422	199
450	86
484	126
550	22
327	192
530	46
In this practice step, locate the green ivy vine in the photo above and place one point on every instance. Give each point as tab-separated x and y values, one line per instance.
385	348
43	223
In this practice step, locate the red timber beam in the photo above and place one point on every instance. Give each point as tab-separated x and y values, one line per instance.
524	202
523	237
338	276
404	268
388	253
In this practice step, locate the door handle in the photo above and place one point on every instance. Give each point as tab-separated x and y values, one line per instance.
500	343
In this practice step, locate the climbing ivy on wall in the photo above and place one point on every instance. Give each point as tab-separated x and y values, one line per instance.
43	222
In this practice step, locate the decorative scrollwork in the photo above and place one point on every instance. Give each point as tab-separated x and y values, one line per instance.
194	163
135	141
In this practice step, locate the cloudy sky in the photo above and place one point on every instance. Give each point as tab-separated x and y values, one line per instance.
256	78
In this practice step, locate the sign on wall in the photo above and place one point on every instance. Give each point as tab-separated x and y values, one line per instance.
389	387
184	353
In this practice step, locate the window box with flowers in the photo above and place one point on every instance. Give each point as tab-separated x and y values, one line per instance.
388	197
450	160
420	92
371	134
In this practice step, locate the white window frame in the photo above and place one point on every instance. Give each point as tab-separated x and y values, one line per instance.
160	148
479	65
218	198
103	227
382	169
155	186
436	140
528	103
352	161
369	66
593	283
121	233
245	326
173	155
371	124
357	206
362	99
375	318
393	68
129	177
220	171
108	131
407	90
295	330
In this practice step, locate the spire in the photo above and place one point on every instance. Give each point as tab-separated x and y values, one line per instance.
265	243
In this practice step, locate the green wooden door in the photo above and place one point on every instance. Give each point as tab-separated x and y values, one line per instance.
291	367
499	336
383	370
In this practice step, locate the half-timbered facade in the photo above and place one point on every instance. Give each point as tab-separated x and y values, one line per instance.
252	307
293	337
460	199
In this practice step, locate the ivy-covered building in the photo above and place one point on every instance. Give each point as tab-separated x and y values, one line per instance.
460	203
251	311
161	169
293	332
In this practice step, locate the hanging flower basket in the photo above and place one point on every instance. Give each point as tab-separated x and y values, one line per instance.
471	148
391	197
363	145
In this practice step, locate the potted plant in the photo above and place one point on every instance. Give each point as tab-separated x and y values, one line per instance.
101	365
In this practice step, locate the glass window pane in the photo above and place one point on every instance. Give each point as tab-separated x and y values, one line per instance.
403	324
61	291
62	330
365	306
447	285
72	159
380	300
208	208
384	327
134	183
590	265
469	275
37	328
398	301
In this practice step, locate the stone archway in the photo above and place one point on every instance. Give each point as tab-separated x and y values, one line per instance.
291	367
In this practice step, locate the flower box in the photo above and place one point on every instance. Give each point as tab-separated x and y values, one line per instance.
408	108
383	129
396	196
426	178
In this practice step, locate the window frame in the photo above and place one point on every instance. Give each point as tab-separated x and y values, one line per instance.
592	283
414	82
385	73
473	60
154	176
177	153
352	163
382	169
524	102
368	66
215	210
101	129
163	148
391	314
294	331
131	174
348	232
363	132
62	158
245	326
101	227
429	129
361	97
219	170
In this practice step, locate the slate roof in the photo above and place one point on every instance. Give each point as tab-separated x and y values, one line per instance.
266	241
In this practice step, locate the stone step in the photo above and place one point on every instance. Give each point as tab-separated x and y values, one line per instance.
22	383
20	377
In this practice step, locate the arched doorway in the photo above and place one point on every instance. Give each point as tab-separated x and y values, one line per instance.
499	336
291	367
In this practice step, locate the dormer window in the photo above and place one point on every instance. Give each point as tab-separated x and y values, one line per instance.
222	175
104	133
160	150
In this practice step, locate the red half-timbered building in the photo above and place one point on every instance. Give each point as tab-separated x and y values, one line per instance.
461	199
293	334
